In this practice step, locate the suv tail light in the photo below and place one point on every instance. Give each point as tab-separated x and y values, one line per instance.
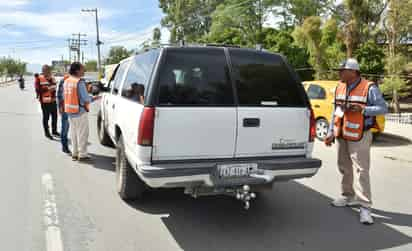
312	130
146	125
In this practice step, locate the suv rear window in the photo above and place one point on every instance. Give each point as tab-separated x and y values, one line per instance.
263	79
195	77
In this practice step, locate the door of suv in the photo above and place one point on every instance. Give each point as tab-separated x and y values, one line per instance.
132	97
114	96
273	112
195	113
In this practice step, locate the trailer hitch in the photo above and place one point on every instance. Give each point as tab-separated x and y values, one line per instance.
245	195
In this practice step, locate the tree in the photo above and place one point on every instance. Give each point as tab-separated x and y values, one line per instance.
398	25
245	18
371	58
157	35
188	20
10	67
360	18
294	12
393	85
323	44
117	54
91	66
309	35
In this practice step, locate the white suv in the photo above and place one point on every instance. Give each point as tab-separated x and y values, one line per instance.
212	120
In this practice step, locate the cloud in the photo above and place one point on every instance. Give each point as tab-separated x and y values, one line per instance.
53	28
133	40
54	24
13	3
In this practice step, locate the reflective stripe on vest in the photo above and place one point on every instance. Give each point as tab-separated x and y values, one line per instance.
359	99
351	134
341	97
351	125
71	106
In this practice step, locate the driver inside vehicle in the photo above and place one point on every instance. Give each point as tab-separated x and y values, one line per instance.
137	93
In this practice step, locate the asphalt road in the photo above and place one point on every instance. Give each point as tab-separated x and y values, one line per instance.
293	216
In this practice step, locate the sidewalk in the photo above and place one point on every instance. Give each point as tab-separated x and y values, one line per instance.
7	83
397	129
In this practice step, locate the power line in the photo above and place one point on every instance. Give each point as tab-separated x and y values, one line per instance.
75	43
133	37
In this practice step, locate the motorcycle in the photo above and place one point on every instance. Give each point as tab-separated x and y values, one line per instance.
21	83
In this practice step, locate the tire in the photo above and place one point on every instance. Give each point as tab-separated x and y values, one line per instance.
322	127
375	136
129	185
104	138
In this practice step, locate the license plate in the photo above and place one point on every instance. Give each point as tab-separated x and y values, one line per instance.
236	170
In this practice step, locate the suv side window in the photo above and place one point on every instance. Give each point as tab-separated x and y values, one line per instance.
195	77
138	75
263	79
316	92
118	77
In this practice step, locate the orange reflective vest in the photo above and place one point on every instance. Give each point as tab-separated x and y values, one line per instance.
348	124
71	96
47	90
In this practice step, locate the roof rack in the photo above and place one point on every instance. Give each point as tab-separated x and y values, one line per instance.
258	47
223	45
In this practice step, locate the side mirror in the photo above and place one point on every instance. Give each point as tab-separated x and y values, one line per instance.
103	88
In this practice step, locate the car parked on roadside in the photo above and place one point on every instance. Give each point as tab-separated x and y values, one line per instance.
322	95
214	120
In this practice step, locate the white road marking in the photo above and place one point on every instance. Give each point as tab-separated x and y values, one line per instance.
51	219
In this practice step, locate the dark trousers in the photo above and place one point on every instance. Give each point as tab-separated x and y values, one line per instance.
64	130
49	110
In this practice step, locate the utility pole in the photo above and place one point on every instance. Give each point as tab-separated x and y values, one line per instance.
70	51
75	44
98	42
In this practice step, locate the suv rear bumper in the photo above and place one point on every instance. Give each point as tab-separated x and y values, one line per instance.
203	173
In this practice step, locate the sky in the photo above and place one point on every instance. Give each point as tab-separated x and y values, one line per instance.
36	31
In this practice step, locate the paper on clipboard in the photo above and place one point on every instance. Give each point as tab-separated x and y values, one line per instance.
339	112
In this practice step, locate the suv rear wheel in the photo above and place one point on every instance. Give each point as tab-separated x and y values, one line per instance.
129	185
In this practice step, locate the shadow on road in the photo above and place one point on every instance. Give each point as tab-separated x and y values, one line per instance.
387	140
292	217
102	162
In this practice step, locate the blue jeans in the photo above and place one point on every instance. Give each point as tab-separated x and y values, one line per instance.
65	130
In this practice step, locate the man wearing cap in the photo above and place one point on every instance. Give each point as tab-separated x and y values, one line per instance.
357	103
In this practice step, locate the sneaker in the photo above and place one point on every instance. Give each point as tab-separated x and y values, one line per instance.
56	134
345	202
49	137
67	151
366	216
75	158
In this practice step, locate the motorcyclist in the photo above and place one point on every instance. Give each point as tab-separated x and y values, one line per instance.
21	82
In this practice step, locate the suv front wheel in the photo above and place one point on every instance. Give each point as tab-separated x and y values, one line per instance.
129	185
102	133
